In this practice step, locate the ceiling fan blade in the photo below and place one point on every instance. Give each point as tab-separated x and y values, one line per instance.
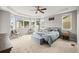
41	11
44	9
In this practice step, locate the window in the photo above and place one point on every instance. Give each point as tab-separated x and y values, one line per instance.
19	24
33	24
26	24
67	22
22	24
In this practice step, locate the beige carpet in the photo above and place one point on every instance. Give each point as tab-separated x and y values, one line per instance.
25	44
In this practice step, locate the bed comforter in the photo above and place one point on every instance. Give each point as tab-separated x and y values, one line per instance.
49	37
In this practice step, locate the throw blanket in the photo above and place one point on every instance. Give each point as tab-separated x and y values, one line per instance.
49	40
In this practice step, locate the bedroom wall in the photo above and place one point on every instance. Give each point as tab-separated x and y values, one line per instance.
4	30
53	23
4	21
74	25
74	22
57	22
78	27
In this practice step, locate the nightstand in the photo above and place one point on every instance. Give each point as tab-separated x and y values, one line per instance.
66	35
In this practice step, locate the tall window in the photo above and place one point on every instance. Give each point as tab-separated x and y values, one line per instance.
67	22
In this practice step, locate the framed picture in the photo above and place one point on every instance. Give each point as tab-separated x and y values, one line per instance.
67	22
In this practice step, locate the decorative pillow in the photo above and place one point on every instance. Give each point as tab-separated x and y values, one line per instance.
55	28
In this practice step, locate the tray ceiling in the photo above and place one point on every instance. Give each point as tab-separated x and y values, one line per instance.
29	11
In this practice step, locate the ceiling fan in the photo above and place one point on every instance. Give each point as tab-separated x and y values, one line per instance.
39	9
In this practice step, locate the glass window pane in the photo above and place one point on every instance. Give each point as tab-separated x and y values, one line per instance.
26	23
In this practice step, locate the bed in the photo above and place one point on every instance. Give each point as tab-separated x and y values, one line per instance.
49	37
